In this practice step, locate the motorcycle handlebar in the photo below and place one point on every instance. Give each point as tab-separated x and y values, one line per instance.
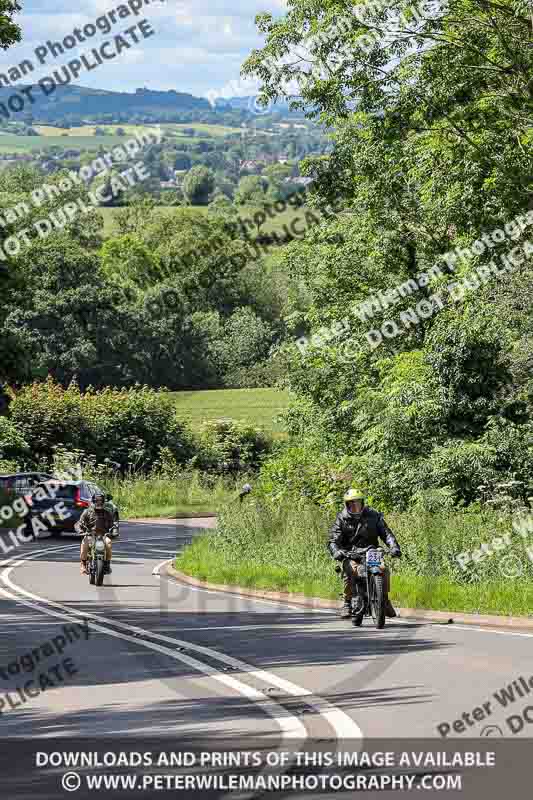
361	551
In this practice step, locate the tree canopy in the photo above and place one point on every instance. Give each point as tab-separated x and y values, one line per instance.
431	118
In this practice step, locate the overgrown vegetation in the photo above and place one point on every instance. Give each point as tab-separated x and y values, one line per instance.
282	548
418	390
122	432
425	405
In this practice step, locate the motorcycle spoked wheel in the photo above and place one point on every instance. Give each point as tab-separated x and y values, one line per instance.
376	600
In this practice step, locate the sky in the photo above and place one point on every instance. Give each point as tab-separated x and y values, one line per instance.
198	45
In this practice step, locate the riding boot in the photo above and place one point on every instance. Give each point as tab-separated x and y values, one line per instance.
389	608
107	567
83	568
346	610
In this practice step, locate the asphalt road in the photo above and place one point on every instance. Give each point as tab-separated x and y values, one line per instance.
148	656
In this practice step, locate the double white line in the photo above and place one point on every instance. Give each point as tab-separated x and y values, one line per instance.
290	726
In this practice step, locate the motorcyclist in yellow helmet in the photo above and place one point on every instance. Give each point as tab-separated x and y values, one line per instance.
359	526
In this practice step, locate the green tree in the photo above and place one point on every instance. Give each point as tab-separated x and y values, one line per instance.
251	190
9	30
198	185
128	260
431	149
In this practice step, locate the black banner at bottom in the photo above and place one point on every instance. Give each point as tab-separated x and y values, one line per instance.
207	769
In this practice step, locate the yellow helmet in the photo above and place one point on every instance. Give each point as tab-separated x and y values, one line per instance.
354	494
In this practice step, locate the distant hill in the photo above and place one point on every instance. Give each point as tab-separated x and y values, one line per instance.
81	102
248	104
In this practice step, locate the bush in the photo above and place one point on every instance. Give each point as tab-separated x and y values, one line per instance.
129	427
229	447
13	446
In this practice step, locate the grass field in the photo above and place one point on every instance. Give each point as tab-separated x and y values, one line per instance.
272	224
260	407
168	127
164	497
83	138
201	127
9	143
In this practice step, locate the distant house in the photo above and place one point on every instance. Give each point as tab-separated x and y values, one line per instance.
168	184
299	181
48	166
252	165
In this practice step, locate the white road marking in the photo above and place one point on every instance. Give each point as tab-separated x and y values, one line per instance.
487	630
155	570
290	726
343	725
333	613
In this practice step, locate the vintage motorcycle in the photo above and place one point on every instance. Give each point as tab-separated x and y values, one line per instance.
374	601
96	556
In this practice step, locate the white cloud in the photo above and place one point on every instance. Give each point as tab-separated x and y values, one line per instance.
199	45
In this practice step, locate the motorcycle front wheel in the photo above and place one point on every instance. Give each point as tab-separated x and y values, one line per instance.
92	576
99	572
377	600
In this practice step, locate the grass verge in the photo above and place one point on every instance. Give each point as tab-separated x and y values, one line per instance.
159	496
283	549
168	497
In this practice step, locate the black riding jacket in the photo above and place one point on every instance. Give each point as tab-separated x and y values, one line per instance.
347	533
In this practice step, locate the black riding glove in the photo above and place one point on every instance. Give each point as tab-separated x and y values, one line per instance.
395	552
341	555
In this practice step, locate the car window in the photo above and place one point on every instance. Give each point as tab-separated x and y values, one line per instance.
87	491
24	483
66	492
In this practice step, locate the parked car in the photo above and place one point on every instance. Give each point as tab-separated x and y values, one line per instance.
76	496
21	484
